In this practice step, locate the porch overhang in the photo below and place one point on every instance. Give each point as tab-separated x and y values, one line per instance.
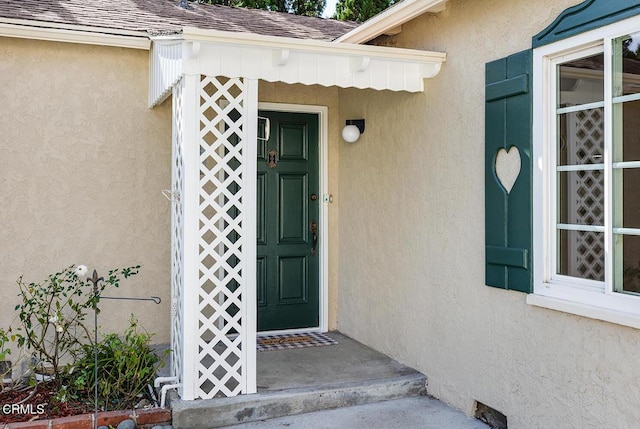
288	60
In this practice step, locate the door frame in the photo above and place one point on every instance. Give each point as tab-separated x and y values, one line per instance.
323	236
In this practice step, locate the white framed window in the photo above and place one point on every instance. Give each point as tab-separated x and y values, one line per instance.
586	174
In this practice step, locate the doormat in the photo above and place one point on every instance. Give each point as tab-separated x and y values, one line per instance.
293	341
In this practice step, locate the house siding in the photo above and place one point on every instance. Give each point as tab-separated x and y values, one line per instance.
411	244
83	163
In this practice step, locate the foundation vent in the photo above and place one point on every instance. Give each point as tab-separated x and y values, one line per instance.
490	416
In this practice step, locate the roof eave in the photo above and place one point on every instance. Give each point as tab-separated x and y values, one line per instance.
390	19
58	32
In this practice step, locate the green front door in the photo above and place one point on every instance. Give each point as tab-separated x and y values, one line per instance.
287	223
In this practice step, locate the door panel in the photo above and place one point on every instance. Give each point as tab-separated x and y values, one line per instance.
292	280
292	213
261	220
261	279
293	144
288	270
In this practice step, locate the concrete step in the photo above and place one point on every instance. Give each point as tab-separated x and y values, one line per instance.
220	412
417	412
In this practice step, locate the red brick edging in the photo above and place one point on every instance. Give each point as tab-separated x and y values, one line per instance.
108	418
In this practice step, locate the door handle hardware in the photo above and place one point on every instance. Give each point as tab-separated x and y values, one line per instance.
267	128
314	236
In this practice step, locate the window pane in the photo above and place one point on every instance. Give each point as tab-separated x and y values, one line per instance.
629	247
626	202
581	254
581	137
581	81
627	58
626	126
581	197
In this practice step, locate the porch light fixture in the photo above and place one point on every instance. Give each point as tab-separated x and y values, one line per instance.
352	130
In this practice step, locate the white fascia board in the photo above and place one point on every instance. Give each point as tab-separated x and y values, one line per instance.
309	62
287	60
391	18
55	32
191	34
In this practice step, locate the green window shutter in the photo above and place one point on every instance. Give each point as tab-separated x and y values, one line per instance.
508	216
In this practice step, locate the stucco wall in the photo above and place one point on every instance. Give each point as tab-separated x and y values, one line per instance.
83	162
318	96
411	242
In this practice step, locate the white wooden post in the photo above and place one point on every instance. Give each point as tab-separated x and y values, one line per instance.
250	235
191	154
177	235
214	236
226	239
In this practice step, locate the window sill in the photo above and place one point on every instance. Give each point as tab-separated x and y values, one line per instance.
586	309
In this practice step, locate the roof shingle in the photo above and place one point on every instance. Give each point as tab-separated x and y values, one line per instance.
166	16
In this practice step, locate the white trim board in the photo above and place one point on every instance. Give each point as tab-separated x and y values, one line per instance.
390	20
73	34
323	245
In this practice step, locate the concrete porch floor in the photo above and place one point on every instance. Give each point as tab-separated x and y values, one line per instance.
317	367
306	380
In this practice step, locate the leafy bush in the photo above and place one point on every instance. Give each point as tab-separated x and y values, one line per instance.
52	314
126	365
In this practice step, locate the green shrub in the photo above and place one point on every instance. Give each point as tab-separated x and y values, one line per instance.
52	314
126	365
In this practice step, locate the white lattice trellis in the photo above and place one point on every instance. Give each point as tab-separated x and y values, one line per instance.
586	139
222	209
177	236
214	326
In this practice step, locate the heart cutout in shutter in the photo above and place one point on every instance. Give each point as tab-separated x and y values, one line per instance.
508	165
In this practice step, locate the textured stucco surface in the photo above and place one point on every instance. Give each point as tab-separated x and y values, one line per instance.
83	162
411	243
318	96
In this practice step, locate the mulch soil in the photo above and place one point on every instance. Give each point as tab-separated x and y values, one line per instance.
40	406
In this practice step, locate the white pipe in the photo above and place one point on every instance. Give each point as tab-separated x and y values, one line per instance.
159	380
163	394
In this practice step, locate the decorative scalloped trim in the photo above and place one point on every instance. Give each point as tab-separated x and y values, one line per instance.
586	16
